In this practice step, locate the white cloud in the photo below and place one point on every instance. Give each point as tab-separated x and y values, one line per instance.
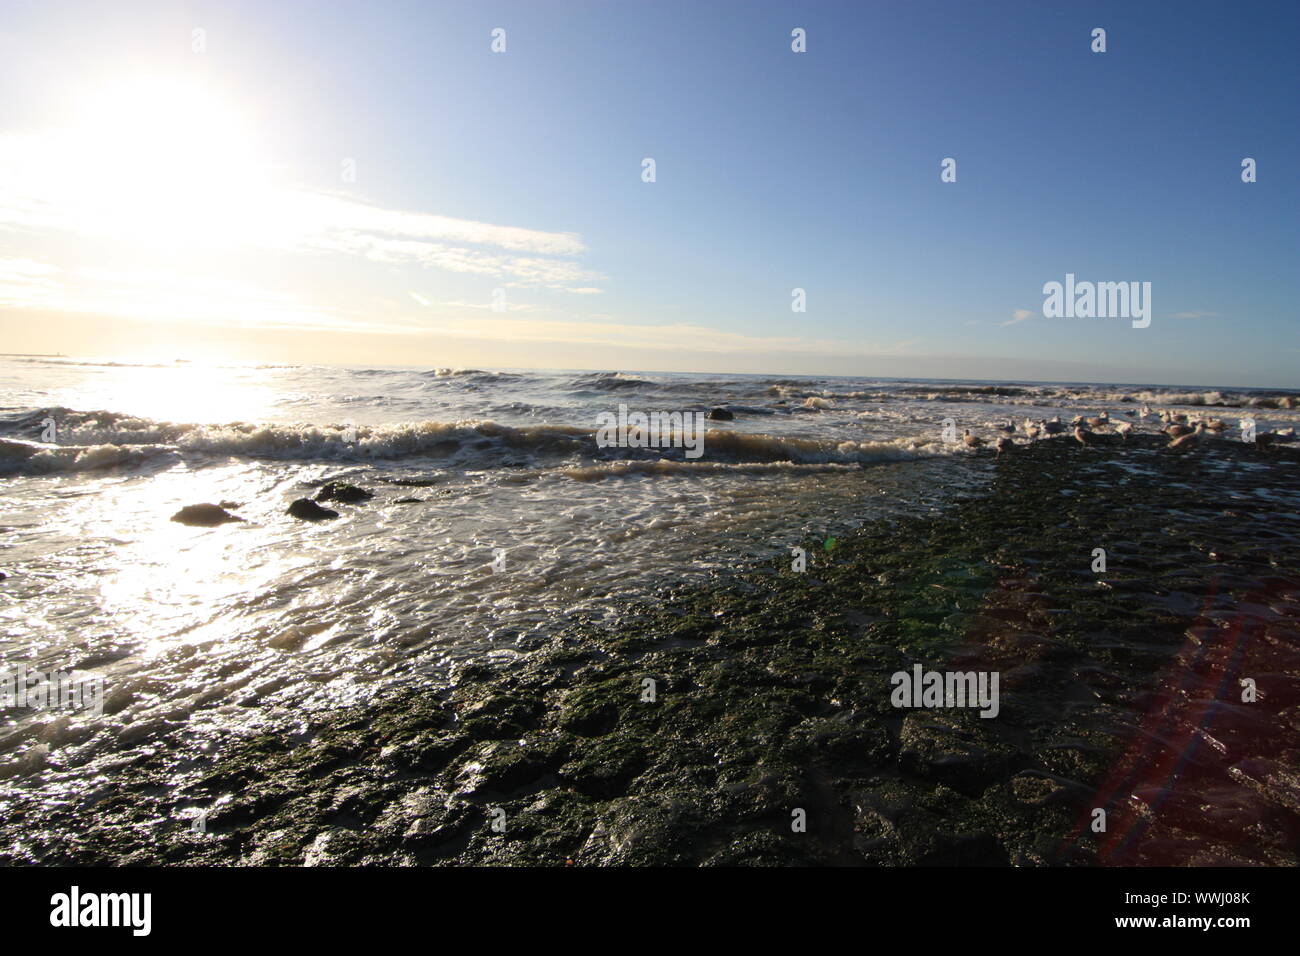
334	213
1018	316
59	182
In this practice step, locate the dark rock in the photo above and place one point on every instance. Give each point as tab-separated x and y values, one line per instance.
204	515
720	414
427	751
942	747
308	510
501	766
466	672
343	492
409	501
588	712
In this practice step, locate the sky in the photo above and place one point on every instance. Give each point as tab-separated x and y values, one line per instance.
371	183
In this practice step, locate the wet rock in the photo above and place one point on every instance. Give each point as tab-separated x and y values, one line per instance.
409	501
604	772
1033	788
204	516
334	847
941	746
503	766
343	492
589	712
428	752
1271	779
428	818
660	829
897	825
469	672
845	745
29	761
308	510
720	414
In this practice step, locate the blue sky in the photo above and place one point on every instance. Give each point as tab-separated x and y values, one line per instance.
774	170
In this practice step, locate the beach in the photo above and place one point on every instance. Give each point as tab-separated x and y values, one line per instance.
736	710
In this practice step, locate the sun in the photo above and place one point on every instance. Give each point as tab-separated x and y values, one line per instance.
163	161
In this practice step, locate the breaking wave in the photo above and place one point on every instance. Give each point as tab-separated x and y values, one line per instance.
34	458
93	440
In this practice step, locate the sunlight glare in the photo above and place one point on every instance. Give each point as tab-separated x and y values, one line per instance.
166	162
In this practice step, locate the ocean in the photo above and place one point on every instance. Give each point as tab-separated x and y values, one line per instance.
496	519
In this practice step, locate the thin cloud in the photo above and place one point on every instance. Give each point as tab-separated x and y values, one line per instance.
164	296
489	306
54	183
673	337
1018	316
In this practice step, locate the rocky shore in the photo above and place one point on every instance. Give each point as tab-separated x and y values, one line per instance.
696	730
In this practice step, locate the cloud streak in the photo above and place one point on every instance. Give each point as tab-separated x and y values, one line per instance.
158	295
53	182
676	337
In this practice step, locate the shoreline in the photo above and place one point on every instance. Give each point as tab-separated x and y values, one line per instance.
772	694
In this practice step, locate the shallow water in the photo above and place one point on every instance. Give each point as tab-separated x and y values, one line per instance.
255	624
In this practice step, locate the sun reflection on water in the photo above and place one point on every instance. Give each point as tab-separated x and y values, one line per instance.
179	392
173	583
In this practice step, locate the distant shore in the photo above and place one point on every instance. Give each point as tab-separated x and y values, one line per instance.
1120	691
